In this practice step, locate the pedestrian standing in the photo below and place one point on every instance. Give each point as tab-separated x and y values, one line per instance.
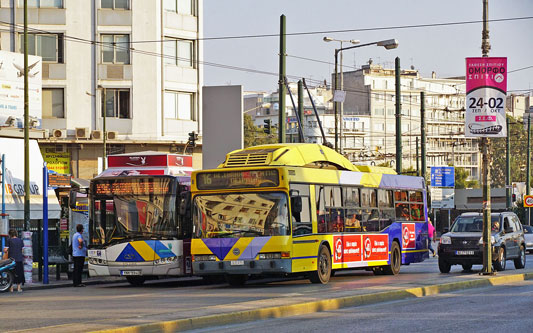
79	251
431	236
13	249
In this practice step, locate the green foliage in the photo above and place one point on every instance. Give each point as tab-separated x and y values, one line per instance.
254	136
518	154
460	179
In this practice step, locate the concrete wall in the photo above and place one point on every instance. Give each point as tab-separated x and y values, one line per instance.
223	128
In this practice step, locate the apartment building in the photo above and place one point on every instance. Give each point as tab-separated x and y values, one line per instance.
369	121
137	62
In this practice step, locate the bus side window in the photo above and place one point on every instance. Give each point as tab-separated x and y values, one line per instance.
301	222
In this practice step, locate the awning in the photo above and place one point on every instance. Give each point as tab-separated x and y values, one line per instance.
13	149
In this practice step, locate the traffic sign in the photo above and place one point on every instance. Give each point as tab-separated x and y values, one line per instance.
528	200
443	176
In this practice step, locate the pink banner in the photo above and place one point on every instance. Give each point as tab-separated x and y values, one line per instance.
486	72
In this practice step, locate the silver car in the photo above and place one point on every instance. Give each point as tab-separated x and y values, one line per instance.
528	236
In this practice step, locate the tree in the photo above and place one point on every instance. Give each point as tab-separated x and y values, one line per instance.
518	154
254	136
460	179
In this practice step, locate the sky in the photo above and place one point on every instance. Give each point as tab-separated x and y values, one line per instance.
440	49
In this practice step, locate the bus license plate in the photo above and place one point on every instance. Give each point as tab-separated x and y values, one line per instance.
237	262
464	253
130	272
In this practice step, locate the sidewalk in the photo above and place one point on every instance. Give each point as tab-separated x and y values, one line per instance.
64	281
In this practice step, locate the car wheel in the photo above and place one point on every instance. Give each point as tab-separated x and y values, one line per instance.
467	267
323	272
395	260
444	266
499	263
520	262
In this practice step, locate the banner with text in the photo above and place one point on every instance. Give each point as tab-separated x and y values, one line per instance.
486	88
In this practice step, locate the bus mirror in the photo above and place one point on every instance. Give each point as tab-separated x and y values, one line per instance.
296	204
185	201
72	197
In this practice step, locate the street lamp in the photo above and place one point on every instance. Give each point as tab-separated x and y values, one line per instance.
352	41
388	44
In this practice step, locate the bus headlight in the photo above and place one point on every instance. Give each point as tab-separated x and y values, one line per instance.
445	240
205	257
97	261
165	261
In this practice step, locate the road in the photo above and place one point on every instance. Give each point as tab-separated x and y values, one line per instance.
114	305
495	309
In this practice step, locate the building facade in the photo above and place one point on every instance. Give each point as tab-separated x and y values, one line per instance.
137	62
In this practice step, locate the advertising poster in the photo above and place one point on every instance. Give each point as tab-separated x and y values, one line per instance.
360	248
486	88
408	236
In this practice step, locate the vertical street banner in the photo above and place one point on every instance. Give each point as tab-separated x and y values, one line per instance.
486	88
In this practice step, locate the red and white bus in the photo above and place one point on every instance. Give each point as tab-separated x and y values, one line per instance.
136	228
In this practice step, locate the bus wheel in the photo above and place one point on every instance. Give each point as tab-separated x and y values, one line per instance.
236	280
136	280
323	272
395	260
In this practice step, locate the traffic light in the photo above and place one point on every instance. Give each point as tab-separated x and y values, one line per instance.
266	126
514	197
192	138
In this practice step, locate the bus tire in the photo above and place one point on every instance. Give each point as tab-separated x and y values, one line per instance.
236	280
136	280
323	271
395	260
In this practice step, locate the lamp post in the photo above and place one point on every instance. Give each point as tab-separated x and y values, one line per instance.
339	133
387	44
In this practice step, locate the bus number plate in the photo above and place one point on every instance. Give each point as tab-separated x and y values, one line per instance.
237	262
130	273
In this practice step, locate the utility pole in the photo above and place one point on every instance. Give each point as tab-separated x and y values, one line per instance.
485	142
26	126
301	107
423	134
417	164
398	119
508	165
282	69
336	105
528	166
104	159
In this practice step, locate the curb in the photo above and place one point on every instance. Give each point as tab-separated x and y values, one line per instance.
315	306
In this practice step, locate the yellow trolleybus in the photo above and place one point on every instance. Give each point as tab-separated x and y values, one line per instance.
286	209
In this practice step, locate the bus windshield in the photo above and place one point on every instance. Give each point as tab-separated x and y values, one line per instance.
125	209
241	215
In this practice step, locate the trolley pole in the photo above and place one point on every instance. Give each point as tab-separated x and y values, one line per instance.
301	108
485	142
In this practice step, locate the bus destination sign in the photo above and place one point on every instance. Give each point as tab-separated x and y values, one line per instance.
132	187
237	179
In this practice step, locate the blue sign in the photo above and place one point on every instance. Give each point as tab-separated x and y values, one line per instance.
443	176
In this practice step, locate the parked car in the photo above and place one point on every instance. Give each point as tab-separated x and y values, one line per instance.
528	235
463	244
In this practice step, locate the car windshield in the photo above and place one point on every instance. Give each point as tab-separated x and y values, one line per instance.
241	215
474	224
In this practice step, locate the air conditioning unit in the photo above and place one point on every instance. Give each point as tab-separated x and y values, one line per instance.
112	135
59	133
96	135
82	133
